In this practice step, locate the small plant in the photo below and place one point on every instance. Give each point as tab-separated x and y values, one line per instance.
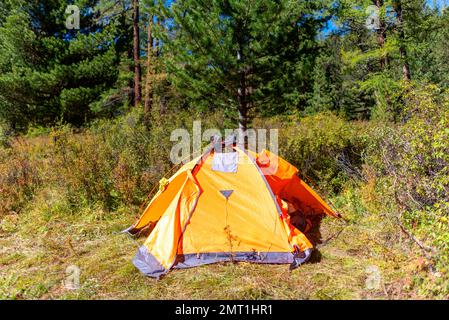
232	240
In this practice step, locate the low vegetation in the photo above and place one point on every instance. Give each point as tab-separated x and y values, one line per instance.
357	89
67	193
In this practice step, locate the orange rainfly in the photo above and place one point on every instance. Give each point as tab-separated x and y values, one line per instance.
232	205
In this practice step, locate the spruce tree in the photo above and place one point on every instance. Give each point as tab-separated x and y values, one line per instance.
49	72
245	57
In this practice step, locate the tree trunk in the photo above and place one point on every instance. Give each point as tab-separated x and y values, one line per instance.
148	83
381	34
242	101
158	41
402	50
129	67
136	51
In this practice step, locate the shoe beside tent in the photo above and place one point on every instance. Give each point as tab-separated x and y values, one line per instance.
227	207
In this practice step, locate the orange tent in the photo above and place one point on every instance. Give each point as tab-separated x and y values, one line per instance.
227	206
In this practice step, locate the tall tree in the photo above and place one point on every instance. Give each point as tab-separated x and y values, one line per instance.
136	54
426	36
397	5
328	92
381	30
382	50
117	15
49	72
243	56
148	102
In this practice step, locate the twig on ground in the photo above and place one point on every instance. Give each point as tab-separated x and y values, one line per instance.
425	248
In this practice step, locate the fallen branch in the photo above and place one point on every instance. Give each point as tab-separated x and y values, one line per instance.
425	248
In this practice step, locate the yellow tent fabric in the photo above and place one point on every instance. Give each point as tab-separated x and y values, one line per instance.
234	213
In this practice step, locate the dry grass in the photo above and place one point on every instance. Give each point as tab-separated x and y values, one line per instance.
38	246
65	196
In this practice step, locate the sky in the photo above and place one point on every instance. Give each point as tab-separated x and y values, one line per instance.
439	3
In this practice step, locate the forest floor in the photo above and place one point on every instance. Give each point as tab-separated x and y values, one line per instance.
37	252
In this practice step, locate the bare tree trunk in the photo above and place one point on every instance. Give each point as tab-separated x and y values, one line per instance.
148	83
129	55
124	43
136	51
381	34
402	50
381	40
242	101
162	93
158	41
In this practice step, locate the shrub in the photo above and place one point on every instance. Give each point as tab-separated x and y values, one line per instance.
111	163
411	161
326	148
19	174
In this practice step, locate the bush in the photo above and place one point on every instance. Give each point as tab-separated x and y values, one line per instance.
411	162
19	174
326	148
393	177
111	163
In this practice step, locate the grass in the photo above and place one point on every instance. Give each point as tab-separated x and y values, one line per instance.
37	247
65	196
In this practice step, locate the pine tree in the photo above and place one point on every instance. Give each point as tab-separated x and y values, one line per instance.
49	72
327	78
136	54
243	56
